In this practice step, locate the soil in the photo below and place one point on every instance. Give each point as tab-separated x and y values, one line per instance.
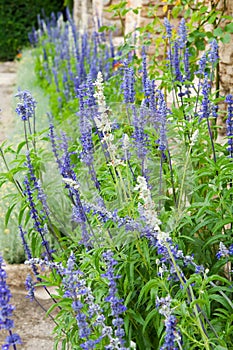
34	328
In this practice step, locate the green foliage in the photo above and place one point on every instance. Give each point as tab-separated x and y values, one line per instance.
165	231
17	20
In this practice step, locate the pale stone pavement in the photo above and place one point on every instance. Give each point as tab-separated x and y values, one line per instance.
7	89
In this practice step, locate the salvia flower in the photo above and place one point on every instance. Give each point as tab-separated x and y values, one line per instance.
202	65
30	287
88	313
26	107
205	105
182	32
139	135
161	240
104	124
6	310
229	123
176	63
38	221
162	118
116	304
168	28
172	336
128	83
223	251
213	53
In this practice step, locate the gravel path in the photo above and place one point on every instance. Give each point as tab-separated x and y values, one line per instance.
30	322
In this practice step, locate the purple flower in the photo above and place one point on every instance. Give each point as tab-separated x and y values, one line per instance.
116	304
186	64
28	252
128	83
140	137
13	339
213	53
29	285
162	117
172	336
205	105
168	28
38	222
223	252
202	65
88	314
6	310
176	63
26	107
229	123
182	31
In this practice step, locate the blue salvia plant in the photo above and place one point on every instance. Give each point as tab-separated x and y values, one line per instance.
142	252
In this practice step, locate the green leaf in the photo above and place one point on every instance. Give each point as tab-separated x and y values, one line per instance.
146	289
218	31
136	316
8	214
222	223
226	38
212	18
149	317
20	146
229	27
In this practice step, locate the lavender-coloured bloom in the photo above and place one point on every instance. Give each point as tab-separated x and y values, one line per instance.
202	65
172	336
41	196
205	105
139	136
176	63
168	28
213	53
116	304
30	287
223	252
6	310
162	118
38	224
12	340
28	252
182	32
75	288
128	83
186	64
229	123
26	107
55	75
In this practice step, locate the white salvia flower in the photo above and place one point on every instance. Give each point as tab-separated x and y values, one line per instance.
223	251
163	236
148	207
132	345
164	305
71	183
99	94
194	137
125	142
103	122
144	192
